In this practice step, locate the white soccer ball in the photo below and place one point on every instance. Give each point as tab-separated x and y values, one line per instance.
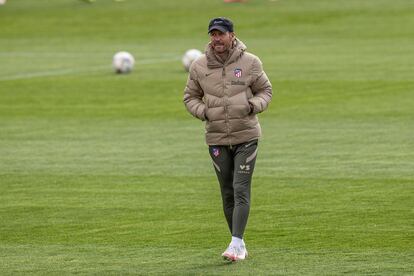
123	62
189	57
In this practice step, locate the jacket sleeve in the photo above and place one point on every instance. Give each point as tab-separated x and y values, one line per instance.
261	88
193	96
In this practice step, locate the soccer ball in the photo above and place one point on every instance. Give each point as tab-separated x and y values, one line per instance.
123	62
189	57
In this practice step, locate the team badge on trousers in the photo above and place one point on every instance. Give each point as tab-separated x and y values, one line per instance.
238	72
216	152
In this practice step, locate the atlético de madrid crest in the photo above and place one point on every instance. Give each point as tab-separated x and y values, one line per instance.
238	72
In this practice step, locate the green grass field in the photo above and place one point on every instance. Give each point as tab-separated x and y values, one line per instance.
108	174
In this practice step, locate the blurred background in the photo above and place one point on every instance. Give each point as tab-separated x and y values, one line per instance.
108	173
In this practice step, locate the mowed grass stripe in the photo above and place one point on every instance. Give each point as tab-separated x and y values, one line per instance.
80	70
109	174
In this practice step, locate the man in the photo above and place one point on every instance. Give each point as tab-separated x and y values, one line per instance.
227	87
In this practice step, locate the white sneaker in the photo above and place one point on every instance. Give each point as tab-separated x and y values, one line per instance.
235	253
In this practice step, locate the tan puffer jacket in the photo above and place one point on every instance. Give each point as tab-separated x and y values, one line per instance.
220	93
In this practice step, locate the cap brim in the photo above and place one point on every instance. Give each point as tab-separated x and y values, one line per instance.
220	28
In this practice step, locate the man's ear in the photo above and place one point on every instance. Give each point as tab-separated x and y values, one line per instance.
233	39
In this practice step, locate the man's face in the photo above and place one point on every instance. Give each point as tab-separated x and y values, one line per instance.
221	42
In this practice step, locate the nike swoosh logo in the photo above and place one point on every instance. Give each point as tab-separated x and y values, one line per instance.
249	144
208	74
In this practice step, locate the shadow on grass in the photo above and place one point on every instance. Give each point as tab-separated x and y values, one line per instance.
217	264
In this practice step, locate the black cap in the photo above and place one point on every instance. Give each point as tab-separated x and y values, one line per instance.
220	23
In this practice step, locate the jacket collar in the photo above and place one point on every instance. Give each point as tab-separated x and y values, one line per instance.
235	53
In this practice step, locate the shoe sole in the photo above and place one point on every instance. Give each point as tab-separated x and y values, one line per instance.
232	258
229	258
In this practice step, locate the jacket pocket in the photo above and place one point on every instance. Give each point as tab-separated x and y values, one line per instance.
249	93
247	105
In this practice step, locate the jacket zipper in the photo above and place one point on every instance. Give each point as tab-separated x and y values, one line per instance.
223	74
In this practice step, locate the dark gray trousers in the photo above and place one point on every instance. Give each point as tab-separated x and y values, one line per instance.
234	168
